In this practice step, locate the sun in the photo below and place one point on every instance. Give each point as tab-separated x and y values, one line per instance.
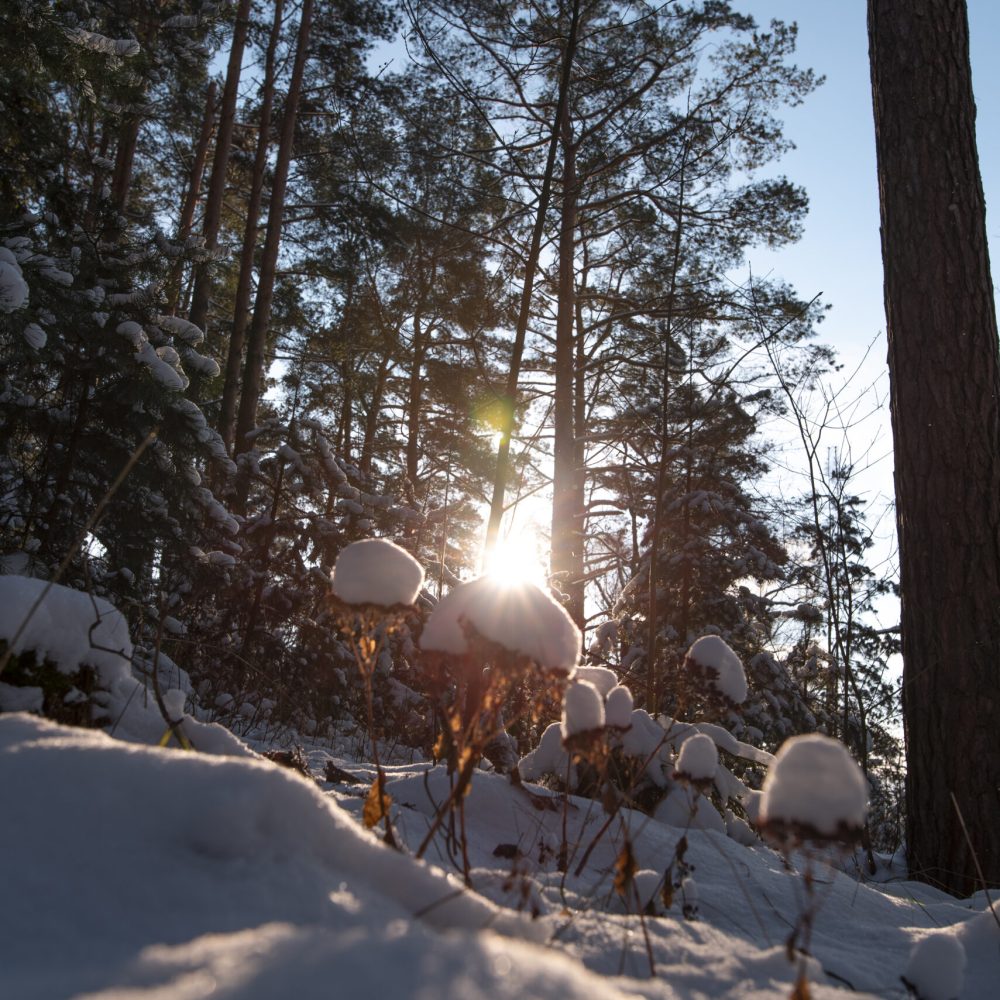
518	558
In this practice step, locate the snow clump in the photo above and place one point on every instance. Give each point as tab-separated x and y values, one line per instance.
69	628
521	617
936	968
724	668
698	760
601	677
377	571
815	784
583	710
13	287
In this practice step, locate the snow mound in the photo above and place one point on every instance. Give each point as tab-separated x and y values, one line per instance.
725	669
520	616
815	783
583	709
236	878
69	628
698	759
936	967
377	571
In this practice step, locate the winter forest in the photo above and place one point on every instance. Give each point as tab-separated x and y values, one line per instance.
399	592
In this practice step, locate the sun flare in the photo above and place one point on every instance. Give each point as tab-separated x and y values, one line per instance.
518	558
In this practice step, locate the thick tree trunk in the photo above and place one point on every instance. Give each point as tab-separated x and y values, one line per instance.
244	283
415	401
565	529
220	163
945	387
253	374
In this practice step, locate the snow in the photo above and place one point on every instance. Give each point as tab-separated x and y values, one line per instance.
519	616
376	571
583	709
34	336
814	782
163	873
69	628
715	655
936	967
601	677
698	759
13	287
618	707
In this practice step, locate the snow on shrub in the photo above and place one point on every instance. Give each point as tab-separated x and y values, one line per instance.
583	710
376	571
520	617
814	790
13	287
710	655
698	760
936	968
70	629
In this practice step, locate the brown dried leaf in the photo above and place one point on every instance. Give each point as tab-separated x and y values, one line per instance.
625	869
376	805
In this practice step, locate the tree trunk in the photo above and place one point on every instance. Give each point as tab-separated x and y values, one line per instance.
193	191
565	528
945	387
253	374
531	266
220	163
241	309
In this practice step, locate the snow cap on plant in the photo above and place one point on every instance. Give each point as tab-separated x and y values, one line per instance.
376	571
698	760
722	668
814	790
601	677
520	617
583	710
618	707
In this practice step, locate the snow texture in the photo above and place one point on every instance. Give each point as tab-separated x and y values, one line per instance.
519	616
69	628
936	967
34	336
583	709
816	783
377	571
714	654
698	759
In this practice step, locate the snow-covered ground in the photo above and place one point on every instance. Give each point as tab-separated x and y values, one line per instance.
133	871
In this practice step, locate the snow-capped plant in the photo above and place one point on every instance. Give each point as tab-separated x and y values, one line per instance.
815	796
378	572
713	679
814	791
483	641
377	583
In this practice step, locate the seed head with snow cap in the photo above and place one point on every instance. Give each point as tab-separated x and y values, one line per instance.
519	617
378	572
711	656
814	791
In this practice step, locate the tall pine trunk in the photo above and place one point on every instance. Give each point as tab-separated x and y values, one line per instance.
945	393
220	162
244	281
566	527
253	373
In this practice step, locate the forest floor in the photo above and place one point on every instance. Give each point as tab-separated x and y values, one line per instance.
130	871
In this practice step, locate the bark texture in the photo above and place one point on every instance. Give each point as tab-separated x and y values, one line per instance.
945	386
